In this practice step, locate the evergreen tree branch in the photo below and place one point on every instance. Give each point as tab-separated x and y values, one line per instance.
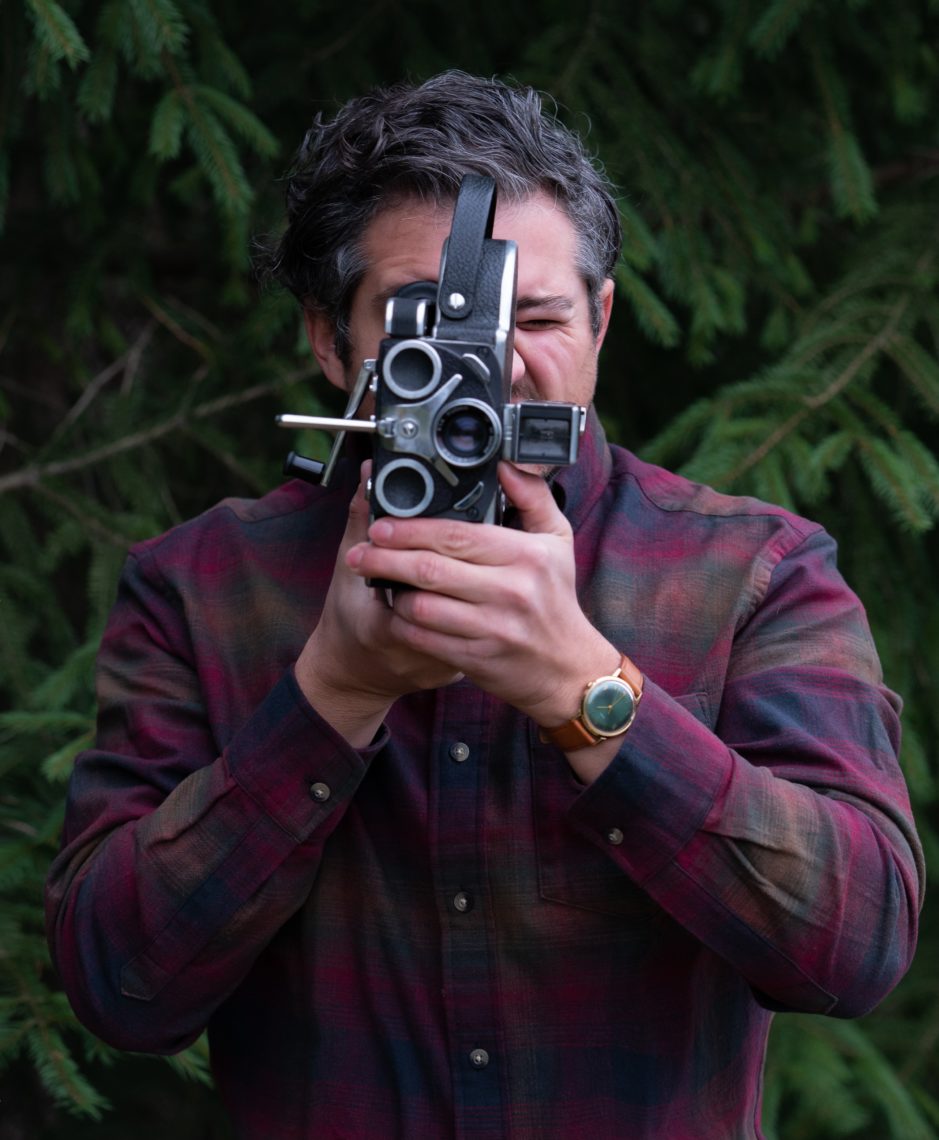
219	163
55	1066
162	24
34	474
56	31
177	329
879	343
126	363
93	527
851	184
224	456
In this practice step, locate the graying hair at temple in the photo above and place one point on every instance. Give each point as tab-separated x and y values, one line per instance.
407	141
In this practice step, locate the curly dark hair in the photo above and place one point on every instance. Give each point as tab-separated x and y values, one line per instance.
417	141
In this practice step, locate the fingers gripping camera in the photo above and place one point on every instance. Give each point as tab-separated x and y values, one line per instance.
443	418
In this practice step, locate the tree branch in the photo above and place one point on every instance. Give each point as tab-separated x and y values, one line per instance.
835	388
32	475
125	361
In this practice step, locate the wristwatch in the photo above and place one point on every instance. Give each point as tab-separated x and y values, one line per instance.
608	709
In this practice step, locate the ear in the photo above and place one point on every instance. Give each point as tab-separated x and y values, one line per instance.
606	307
321	333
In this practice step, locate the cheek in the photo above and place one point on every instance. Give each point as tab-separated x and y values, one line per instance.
560	367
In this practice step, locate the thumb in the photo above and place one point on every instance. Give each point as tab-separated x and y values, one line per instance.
531	496
357	525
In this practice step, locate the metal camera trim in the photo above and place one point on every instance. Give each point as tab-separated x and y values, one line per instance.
454	458
396	465
411	345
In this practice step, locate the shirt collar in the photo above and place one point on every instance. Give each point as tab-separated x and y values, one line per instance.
577	488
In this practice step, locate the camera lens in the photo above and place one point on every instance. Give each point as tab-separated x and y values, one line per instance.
404	488
465	433
412	369
468	433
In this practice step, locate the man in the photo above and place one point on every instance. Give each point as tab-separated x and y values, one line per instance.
384	853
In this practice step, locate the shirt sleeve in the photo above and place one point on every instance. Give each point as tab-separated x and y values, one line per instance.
780	834
181	860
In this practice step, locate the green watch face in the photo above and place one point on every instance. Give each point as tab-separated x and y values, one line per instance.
609	707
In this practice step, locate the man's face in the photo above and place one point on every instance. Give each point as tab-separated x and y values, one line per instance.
555	349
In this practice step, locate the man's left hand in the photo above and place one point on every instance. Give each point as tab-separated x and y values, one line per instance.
498	604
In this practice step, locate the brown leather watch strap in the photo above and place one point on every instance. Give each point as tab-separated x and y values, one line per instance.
570	736
574	734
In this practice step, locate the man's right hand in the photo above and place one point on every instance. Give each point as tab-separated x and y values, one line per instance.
351	669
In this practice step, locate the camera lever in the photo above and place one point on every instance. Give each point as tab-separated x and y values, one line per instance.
311	470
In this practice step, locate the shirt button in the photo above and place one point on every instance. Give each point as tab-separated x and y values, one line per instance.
479	1058
320	792
463	902
459	752
614	836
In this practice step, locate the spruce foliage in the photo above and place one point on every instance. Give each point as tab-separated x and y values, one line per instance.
776	334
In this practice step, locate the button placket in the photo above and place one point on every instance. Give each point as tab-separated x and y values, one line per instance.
458	792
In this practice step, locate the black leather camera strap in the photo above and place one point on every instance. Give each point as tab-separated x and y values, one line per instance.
472	225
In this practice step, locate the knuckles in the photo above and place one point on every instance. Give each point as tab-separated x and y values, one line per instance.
415	607
457	539
427	572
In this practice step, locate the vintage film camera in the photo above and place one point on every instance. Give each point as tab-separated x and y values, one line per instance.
440	384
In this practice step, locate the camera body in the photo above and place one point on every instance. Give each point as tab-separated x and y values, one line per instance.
444	419
441	385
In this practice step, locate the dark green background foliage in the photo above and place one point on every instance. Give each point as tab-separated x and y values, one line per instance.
776	333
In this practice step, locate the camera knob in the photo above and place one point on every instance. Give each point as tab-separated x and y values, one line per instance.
368	489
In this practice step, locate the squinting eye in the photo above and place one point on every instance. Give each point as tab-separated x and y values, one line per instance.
535	326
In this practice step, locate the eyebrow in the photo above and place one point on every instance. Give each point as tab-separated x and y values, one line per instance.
552	301
557	302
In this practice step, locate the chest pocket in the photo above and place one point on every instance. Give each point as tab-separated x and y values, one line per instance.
571	869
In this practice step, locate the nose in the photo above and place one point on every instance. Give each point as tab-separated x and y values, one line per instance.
518	366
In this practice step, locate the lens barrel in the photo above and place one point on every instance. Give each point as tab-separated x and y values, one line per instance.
404	488
412	369
467	432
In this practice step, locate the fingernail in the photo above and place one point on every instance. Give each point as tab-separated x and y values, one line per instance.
354	557
381	531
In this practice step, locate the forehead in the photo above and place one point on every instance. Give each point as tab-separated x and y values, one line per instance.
403	242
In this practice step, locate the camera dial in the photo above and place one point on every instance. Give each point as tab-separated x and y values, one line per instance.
404	488
412	369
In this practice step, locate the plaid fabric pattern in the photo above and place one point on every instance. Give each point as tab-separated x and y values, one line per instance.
446	935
